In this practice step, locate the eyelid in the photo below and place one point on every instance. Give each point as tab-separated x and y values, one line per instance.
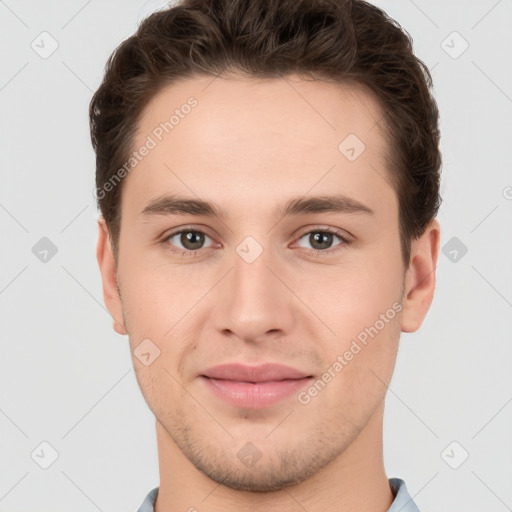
345	237
186	229
327	229
197	228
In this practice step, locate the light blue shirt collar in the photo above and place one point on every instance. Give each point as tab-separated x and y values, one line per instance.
402	502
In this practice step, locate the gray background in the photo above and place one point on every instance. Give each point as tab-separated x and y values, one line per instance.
67	378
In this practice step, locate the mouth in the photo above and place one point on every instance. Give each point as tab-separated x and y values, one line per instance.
254	387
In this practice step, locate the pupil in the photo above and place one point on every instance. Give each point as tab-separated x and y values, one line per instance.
322	239
192	240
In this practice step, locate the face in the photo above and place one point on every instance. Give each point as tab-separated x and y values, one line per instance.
261	232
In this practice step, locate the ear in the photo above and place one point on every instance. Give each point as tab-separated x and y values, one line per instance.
420	278
108	270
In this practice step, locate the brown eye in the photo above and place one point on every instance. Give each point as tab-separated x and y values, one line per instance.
322	240
187	240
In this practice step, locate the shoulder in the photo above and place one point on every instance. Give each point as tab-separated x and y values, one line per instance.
148	505
403	500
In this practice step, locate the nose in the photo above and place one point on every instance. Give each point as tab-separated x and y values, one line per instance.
253	302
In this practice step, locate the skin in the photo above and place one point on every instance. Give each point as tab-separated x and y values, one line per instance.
250	146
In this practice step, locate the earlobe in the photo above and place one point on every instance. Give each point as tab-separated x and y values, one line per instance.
420	277
108	271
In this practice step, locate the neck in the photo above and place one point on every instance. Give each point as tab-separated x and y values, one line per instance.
356	480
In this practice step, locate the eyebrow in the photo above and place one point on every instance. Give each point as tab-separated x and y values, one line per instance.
302	205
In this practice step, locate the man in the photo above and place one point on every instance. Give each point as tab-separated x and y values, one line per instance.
268	179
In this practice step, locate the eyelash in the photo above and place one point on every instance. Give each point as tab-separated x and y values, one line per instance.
315	252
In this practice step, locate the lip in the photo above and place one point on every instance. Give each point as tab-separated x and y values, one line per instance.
254	387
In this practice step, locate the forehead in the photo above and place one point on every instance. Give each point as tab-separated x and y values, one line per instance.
252	140
245	107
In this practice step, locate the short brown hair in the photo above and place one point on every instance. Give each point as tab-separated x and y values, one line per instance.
350	42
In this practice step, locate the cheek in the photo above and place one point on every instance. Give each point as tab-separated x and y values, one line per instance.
162	304
156	297
359	306
356	374
158	387
349	298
